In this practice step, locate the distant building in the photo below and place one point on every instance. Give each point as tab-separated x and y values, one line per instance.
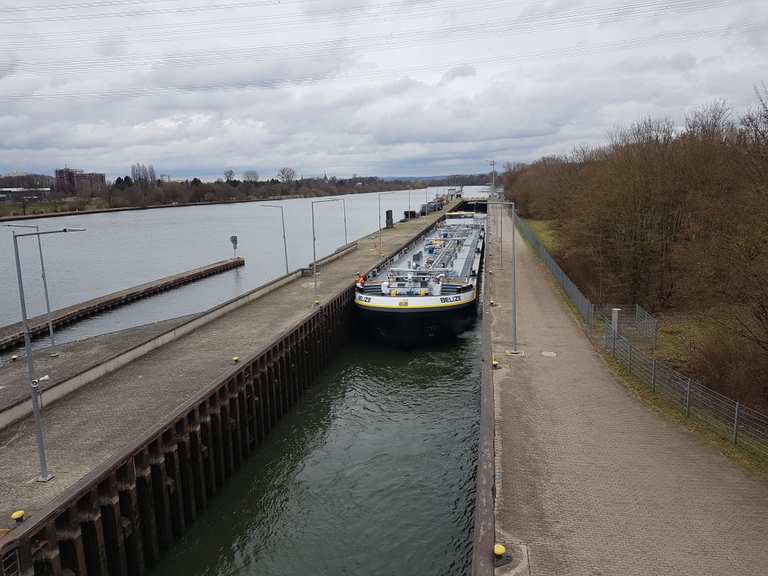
70	182
22	194
28	181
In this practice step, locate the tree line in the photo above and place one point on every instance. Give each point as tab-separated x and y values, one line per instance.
675	219
143	188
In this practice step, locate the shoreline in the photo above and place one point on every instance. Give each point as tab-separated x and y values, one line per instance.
176	205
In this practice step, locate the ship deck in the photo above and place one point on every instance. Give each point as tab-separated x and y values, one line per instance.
459	268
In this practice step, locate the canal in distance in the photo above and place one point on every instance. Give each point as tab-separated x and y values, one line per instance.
372	473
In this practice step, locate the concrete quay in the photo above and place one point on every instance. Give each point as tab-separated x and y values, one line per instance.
138	453
66	361
589	480
13	334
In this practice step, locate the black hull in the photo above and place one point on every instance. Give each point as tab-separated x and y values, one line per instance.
407	329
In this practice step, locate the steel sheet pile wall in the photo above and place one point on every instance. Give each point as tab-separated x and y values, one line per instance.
119	519
484	524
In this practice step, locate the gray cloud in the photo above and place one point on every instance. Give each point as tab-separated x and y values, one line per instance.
464	71
192	93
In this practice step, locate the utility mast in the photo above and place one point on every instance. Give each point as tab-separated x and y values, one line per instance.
493	174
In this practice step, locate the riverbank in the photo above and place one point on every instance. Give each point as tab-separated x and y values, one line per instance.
55	214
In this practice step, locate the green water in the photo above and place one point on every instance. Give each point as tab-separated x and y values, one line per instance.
373	473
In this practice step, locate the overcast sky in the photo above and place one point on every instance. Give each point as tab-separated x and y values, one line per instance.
373	87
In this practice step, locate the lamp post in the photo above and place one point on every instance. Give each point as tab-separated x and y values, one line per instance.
42	270
379	198
34	383
314	236
282	218
493	174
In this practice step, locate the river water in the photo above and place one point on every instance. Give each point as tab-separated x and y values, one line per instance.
123	249
372	473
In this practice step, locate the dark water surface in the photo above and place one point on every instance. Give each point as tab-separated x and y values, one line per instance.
373	473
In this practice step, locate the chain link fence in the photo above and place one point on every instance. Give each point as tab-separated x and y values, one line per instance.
632	344
635	323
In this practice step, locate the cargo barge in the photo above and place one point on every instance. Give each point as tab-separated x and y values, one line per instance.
428	292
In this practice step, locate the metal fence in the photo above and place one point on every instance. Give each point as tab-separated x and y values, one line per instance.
635	323
729	418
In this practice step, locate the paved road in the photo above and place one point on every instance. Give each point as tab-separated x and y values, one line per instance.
593	481
91	424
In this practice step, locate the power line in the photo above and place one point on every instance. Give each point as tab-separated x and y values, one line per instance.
165	11
277	21
79	5
443	35
363	11
571	51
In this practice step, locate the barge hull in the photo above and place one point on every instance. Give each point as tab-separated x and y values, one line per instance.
410	327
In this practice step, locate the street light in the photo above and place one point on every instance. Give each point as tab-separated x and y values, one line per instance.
282	217
42	269
34	382
314	236
379	198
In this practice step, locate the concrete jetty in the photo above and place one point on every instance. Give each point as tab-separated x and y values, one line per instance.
138	453
13	334
589	480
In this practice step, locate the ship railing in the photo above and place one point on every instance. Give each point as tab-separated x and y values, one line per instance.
419	272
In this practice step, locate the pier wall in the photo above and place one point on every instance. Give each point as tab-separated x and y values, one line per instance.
57	391
13	334
484	524
118	519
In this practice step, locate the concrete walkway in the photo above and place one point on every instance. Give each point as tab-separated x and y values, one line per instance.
591	480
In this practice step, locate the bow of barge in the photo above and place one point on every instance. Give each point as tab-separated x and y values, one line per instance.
429	291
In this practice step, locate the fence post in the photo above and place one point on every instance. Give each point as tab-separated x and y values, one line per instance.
688	399
615	326
653	375
736	423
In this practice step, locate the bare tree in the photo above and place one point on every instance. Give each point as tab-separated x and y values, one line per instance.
286	175
229	175
151	178
250	176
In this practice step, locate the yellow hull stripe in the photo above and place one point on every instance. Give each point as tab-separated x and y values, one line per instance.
398	307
